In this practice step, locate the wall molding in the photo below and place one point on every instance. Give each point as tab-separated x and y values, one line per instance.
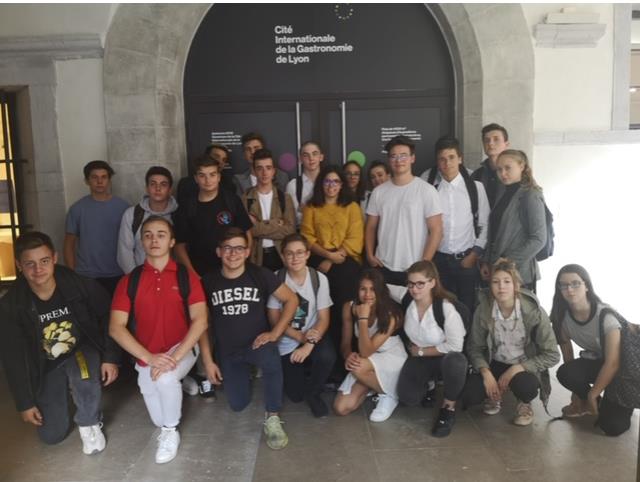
56	47
576	138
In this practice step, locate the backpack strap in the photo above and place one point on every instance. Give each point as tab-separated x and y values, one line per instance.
472	190
281	200
315	283
431	179
604	312
185	289
438	312
132	290
138	217
299	189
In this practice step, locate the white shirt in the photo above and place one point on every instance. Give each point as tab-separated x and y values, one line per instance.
307	312
402	225
307	192
509	335
265	207
426	332
457	218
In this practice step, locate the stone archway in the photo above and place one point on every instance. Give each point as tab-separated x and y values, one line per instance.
147	46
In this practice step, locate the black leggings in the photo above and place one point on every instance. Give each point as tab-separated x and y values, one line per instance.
577	375
524	385
418	371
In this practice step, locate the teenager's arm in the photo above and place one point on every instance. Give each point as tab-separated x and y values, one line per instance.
213	371
69	250
347	331
119	332
354	239
370	235
434	228
198	315
289	302
273	314
126	243
182	257
610	365
367	345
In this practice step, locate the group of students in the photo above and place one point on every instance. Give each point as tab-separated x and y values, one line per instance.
382	282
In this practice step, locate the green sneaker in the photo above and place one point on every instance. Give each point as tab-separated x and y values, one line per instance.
276	438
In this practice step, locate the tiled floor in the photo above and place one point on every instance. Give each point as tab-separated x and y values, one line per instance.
220	445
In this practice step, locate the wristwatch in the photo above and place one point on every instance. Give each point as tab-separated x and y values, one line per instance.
420	352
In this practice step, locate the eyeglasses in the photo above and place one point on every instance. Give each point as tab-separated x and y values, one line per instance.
294	254
332	182
399	157
418	284
574	285
227	249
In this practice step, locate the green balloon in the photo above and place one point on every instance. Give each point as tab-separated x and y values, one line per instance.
357	156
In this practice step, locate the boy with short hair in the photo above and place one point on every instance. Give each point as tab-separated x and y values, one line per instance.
200	221
157	201
92	226
54	338
304	344
163	330
237	295
252	142
271	212
495	139
301	187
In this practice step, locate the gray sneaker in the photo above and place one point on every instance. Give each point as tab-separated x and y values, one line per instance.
276	437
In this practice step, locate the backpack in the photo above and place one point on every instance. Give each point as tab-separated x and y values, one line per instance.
547	249
313	274
132	290
624	389
138	217
472	190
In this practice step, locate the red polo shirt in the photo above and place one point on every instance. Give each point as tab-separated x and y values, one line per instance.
159	311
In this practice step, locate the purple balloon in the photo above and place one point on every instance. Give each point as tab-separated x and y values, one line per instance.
287	161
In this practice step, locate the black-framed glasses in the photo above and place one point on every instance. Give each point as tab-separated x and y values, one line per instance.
574	285
228	249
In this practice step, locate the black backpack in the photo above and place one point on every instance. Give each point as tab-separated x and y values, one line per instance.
138	217
132	290
472	190
547	249
624	389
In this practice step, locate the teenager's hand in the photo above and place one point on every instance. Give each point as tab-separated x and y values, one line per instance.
413	349
32	415
109	373
263	339
162	360
352	362
469	261
491	386
213	373
324	266
337	257
505	378
363	311
592	402
485	271
299	355
254	220
313	336
374	262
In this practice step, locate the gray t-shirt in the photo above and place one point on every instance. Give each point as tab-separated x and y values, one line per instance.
587	334
96	224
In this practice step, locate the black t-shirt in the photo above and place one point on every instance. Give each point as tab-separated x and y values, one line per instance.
59	331
201	226
238	307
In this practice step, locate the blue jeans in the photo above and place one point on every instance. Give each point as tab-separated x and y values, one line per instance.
53	398
236	374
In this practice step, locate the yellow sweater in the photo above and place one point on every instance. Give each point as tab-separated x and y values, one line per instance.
332	227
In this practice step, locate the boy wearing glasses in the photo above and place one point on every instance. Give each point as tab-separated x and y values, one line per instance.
54	338
237	295
404	218
304	343
200	221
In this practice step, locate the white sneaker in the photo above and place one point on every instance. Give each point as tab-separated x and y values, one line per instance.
168	443
93	440
491	407
189	386
385	407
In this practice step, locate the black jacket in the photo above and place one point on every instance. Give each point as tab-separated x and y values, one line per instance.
21	350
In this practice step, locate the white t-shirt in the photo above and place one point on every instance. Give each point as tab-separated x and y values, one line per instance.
307	191
307	312
426	332
402	224
587	335
509	335
265	207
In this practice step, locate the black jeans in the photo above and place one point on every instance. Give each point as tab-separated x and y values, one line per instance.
53	398
418	371
524	385
319	362
393	277
577	376
459	280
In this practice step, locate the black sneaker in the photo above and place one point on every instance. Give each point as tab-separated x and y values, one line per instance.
317	406
207	390
429	399
444	423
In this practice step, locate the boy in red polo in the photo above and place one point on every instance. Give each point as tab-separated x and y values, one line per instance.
164	341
